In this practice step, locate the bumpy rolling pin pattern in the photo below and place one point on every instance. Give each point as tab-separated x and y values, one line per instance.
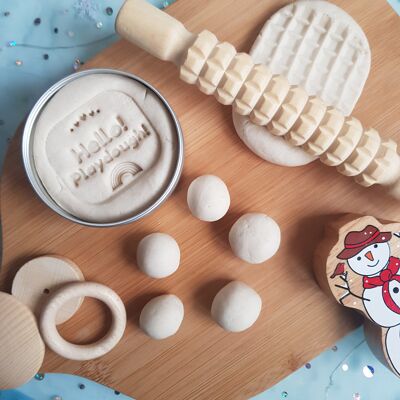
233	78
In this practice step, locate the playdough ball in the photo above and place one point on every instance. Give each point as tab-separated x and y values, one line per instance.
162	316
255	238
208	198
236	307
158	255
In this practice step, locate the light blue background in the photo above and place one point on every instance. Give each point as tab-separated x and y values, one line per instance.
79	37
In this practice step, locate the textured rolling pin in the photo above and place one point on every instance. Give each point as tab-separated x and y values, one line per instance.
233	78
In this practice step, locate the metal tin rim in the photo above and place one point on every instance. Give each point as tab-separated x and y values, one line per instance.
34	179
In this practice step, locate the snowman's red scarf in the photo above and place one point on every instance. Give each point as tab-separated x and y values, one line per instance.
383	279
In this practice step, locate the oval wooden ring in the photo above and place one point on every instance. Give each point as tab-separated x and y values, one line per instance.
93	350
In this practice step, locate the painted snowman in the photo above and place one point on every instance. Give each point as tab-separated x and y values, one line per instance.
368	254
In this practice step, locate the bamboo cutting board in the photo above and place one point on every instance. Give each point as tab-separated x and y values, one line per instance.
297	321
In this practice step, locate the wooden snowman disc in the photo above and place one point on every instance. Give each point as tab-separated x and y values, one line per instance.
21	346
358	262
39	278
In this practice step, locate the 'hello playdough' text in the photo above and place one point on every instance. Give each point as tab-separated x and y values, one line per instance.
101	150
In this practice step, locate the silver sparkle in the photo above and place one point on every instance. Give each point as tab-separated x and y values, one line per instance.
71	34
77	63
99	25
345	367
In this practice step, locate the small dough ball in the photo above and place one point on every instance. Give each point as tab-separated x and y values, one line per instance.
162	316
236	307
158	255
208	198
255	238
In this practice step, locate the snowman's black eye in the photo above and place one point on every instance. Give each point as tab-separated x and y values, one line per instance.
396	290
375	245
358	258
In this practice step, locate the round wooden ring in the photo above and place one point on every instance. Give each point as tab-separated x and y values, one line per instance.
93	350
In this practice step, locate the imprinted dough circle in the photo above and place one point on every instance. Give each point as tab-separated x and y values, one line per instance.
318	46
21	347
93	350
36	280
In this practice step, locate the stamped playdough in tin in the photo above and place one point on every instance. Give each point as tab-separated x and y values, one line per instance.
105	147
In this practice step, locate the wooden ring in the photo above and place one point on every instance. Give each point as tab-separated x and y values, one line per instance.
93	350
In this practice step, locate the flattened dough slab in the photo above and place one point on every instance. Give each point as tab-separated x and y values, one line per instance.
318	46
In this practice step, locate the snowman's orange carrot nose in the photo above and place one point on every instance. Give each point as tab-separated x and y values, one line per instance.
369	256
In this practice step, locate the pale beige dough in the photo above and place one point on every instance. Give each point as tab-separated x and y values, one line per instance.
208	198
255	238
158	255
162	316
236	307
104	147
318	46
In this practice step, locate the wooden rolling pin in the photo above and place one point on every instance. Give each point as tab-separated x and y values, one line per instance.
233	78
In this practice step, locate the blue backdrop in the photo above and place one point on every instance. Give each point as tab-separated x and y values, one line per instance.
42	41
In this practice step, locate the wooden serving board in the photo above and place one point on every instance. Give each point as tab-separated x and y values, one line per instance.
298	321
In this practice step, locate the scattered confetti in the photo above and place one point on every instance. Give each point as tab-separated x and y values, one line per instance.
77	63
356	396
55	30
284	395
109	11
81	386
308	365
45	56
334	348
345	367
11	43
368	371
71	34
6	13
39	376
56	398
37	21
99	25
166	4
18	63
116	392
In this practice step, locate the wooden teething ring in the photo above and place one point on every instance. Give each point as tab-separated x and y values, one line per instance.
93	350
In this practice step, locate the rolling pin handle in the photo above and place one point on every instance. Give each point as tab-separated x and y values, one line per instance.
154	31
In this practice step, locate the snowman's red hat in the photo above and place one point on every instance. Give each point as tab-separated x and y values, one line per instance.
356	241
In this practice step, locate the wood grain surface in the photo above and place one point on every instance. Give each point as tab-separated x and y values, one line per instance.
22	348
298	321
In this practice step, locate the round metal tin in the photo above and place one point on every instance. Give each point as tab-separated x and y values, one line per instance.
29	164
